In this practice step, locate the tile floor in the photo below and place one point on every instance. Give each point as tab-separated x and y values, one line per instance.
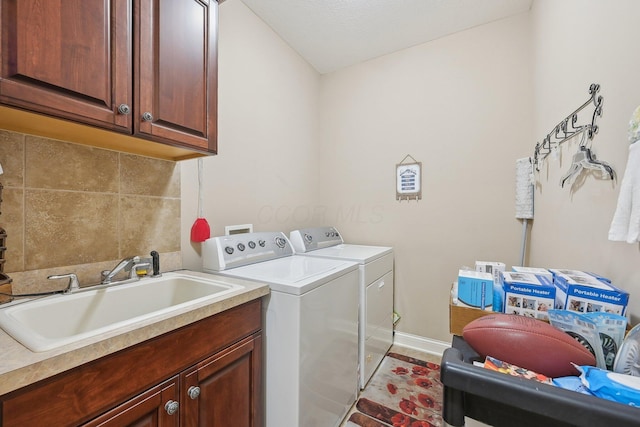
407	352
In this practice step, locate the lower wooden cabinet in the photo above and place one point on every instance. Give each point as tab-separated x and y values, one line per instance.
156	407
225	389
220	391
208	373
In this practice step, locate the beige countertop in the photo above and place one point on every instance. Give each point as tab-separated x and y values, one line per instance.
20	366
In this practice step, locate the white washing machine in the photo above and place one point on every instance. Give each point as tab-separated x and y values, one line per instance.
311	326
375	264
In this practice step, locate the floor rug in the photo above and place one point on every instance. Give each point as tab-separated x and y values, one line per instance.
404	392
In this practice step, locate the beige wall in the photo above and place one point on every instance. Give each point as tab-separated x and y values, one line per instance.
579	42
266	171
71	208
466	106
462	106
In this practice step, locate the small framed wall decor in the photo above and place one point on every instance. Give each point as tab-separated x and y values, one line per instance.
409	179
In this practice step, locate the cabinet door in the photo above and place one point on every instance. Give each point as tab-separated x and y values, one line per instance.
68	58
176	70
157	407
229	388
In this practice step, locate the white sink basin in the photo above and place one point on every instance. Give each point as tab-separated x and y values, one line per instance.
51	322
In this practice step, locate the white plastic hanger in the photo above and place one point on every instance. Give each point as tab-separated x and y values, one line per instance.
585	159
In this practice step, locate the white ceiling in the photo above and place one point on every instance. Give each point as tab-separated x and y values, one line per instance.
331	34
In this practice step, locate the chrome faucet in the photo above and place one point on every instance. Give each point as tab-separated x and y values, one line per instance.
131	265
128	264
73	286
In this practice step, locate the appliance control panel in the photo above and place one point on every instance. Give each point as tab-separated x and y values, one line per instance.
225	252
310	239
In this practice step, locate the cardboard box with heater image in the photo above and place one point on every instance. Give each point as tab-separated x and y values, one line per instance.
525	294
585	293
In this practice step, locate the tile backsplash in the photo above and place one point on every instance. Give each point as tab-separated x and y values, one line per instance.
73	208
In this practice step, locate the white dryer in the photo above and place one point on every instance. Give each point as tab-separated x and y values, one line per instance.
311	325
375	264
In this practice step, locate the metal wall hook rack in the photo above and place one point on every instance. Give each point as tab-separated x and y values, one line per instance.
567	128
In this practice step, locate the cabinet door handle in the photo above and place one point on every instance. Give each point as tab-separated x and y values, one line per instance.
193	392
147	116
171	407
381	285
124	109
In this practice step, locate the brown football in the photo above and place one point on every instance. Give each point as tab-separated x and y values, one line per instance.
528	343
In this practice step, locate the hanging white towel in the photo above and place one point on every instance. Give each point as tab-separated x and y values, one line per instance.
625	225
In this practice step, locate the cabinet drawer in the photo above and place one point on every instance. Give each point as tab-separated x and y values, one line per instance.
84	392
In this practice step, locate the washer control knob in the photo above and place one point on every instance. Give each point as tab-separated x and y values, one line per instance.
252	244
228	250
261	243
241	247
308	237
280	242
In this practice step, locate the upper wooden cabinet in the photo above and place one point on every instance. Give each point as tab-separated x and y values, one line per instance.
176	71
146	68
68	58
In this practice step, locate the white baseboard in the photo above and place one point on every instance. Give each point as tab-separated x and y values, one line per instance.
419	343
